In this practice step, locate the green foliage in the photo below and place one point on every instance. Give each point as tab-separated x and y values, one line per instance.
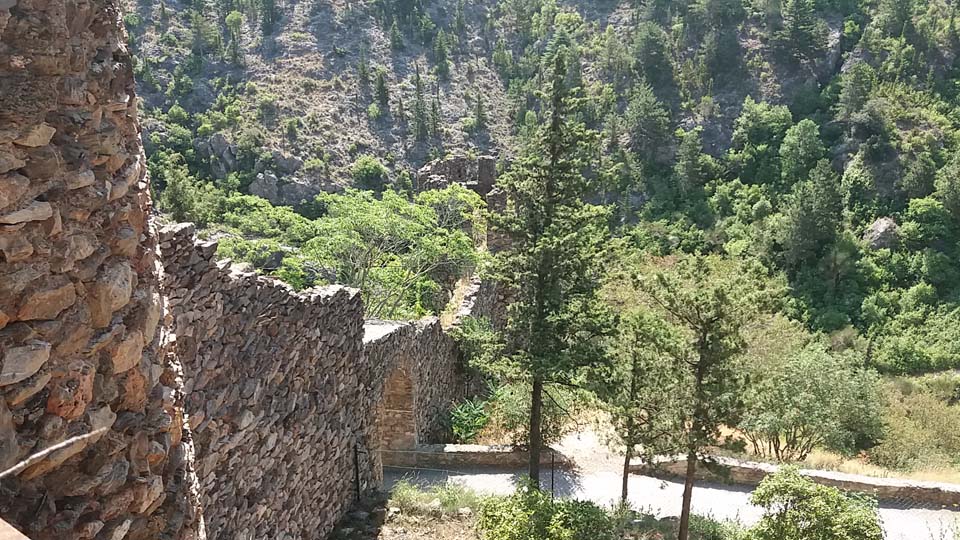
369	173
798	509
813	399
467	420
553	262
415	501
921	432
757	136
397	252
531	514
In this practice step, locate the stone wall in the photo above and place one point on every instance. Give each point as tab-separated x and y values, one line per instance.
276	395
748	473
83	359
291	396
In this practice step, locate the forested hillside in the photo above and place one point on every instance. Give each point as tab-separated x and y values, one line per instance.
802	149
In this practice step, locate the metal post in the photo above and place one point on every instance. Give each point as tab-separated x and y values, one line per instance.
356	468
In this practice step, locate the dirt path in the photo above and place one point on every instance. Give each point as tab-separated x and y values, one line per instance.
597	478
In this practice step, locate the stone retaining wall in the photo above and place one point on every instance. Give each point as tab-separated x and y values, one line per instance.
458	456
750	473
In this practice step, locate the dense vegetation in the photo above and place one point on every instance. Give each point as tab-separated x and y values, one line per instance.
734	223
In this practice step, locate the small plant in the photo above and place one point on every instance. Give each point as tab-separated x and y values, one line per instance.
468	419
442	501
373	112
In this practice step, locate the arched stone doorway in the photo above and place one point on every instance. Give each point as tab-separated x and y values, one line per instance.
398	430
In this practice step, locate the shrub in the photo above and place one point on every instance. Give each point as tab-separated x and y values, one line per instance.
374	112
530	514
467	420
922	431
795	508
368	173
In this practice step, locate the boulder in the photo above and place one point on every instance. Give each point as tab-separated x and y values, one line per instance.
286	164
265	185
882	234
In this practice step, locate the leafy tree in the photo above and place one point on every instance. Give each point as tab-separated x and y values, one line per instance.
269	15
459	21
639	389
800	151
795	508
421	124
758	133
396	252
396	37
234	25
441	56
694	168
552	265
813	399
706	303
856	85
369	173
947	185
811	217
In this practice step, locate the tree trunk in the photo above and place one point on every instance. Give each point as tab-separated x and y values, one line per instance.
536	437
626	474
687	496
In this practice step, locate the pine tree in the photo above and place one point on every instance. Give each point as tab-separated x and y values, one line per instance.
704	304
234	25
799	28
421	127
381	90
363	69
396	38
435	116
459	21
480	114
441	55
269	16
556	323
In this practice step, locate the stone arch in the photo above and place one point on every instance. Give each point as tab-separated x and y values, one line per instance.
398	426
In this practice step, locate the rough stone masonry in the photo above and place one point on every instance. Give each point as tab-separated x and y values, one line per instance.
80	313
200	402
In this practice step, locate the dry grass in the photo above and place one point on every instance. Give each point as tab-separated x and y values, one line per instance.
829	461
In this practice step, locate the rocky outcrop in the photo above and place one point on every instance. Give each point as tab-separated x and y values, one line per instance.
883	233
291	192
83	356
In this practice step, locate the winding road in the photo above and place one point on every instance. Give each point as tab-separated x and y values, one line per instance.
597	479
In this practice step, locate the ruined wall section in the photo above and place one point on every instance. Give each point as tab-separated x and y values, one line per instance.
80	343
419	375
277	394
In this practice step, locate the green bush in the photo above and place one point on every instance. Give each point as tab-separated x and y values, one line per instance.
795	508
467	420
530	514
369	173
922	431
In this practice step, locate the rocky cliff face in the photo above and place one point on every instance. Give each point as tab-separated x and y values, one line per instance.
80	339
